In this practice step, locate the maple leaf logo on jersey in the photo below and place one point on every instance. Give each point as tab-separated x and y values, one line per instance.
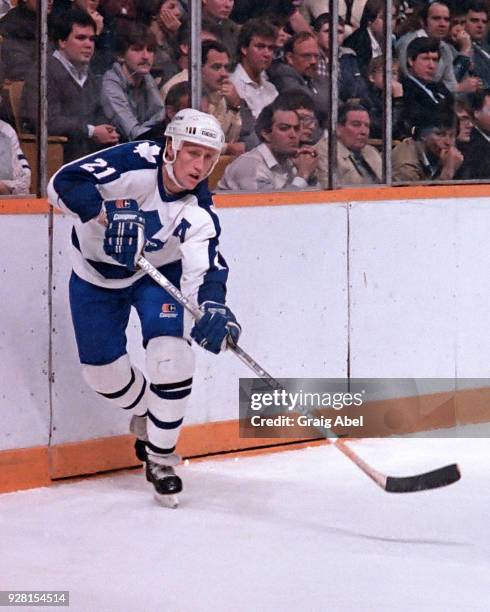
147	151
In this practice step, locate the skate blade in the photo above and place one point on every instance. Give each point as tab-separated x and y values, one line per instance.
167	501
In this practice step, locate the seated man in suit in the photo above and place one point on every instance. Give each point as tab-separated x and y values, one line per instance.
74	108
453	64
422	93
358	163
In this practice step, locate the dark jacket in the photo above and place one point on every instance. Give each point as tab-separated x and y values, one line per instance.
250	9
352	84
71	108
476	153
481	62
228	32
374	101
18	29
360	41
286	78
418	102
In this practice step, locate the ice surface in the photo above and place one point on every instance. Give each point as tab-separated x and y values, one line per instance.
294	531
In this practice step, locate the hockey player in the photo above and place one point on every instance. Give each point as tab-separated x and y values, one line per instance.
137	196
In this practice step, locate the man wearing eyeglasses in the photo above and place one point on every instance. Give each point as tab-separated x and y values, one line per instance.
299	70
477	150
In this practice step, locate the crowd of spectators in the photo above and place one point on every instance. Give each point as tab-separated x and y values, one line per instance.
117	71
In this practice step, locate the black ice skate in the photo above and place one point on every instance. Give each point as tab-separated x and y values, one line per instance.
137	426
164	479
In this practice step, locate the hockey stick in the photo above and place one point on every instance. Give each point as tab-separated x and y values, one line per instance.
393	484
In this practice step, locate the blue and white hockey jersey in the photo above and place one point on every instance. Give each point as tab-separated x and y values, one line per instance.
182	231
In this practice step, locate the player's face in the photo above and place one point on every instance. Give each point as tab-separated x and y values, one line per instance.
283	139
476	25
193	164
424	66
79	47
438	20
220	9
258	55
138	59
304	57
355	133
216	70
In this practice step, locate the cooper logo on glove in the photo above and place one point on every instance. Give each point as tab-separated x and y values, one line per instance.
125	233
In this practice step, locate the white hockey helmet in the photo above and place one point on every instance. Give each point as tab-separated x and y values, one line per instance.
191	125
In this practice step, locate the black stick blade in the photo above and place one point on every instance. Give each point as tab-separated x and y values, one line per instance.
430	480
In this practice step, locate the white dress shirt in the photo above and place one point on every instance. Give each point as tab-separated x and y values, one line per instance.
256	95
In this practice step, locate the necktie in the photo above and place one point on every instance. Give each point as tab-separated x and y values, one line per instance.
363	167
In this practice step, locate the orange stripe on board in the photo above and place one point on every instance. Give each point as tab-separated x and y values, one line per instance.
35	467
91	456
365	194
105	454
25	206
24	468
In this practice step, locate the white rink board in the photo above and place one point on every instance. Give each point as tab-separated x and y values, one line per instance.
288	288
24	333
473	291
420	291
419	294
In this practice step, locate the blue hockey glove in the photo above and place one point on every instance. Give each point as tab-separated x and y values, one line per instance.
125	234
216	327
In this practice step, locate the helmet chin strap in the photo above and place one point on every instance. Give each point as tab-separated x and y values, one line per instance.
169	167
